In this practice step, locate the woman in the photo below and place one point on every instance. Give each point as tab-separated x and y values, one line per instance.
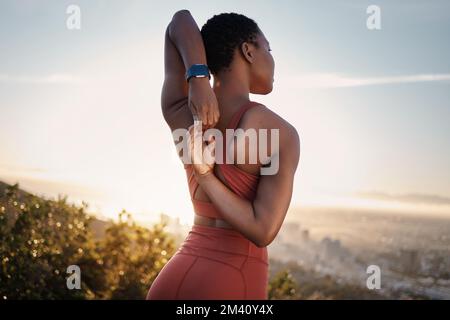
238	211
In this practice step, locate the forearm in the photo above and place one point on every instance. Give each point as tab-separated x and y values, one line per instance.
185	35
238	212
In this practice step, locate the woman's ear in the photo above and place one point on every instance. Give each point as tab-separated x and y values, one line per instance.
247	51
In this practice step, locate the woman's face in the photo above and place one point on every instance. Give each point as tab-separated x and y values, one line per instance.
262	68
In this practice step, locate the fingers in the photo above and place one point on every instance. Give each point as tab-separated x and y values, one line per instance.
205	116
208	114
210	117
210	152
216	114
214	109
209	148
193	109
199	113
195	143
202	155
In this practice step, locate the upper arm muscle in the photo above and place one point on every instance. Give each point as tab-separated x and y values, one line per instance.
275	191
174	95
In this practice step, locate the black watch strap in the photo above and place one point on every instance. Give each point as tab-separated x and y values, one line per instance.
198	71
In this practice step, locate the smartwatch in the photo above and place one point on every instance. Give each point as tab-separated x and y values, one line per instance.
198	71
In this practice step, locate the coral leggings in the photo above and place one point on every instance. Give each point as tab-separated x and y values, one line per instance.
213	264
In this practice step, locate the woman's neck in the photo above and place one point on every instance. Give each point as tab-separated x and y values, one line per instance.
232	91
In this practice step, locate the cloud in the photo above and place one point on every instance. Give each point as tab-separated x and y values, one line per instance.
57	78
15	168
52	188
305	81
417	198
334	80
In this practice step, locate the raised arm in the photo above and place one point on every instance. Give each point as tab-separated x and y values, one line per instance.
261	219
179	100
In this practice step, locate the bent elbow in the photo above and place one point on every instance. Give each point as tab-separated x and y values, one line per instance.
264	234
175	22
264	240
181	13
261	244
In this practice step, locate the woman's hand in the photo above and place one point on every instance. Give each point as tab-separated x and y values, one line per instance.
201	155
202	102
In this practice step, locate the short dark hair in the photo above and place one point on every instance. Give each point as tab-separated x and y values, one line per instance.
222	34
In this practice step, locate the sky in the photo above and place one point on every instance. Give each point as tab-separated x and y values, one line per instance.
80	109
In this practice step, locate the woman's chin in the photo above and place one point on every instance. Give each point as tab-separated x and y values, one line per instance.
263	91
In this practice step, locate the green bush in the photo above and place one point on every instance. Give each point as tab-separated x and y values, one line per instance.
283	286
40	238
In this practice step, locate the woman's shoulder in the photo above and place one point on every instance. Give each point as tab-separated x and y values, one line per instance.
261	116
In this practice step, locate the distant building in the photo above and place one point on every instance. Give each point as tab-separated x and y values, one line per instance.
291	227
304	235
331	247
409	261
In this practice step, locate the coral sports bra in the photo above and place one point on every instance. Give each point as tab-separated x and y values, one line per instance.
242	183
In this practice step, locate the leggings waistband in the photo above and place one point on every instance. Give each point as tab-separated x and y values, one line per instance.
221	239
